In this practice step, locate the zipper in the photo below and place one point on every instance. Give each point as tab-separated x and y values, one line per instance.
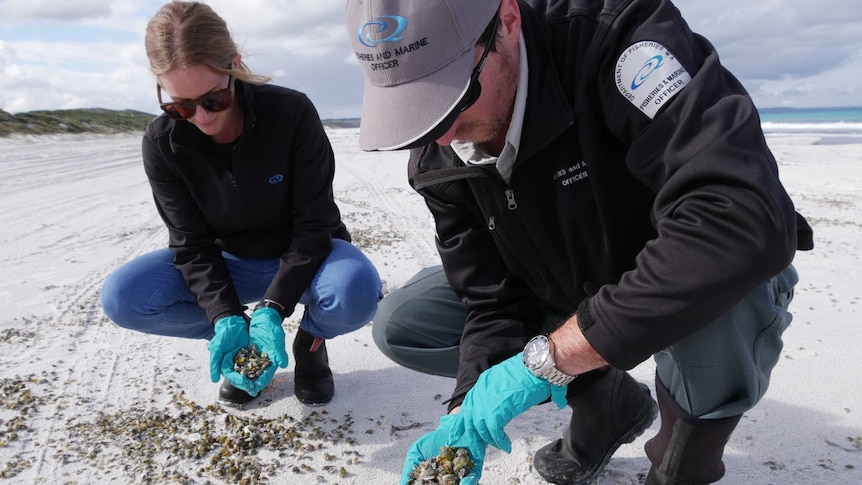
541	272
510	199
538	272
510	204
541	269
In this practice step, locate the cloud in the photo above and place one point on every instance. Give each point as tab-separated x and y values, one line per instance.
28	88
77	56
12	11
6	53
128	16
63	75
264	19
301	45
303	29
786	52
831	87
770	40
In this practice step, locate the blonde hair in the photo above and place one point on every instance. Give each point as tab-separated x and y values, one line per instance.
185	34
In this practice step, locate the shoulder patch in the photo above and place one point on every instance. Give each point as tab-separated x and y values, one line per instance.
649	75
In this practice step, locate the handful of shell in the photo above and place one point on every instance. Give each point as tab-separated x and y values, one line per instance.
448	468
249	362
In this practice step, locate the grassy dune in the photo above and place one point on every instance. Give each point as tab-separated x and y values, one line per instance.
94	120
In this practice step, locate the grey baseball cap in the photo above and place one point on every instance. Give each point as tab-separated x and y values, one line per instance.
417	56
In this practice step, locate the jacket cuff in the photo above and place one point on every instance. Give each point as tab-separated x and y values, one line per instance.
603	341
216	313
455	401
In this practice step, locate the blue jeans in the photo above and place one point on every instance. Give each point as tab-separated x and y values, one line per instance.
150	295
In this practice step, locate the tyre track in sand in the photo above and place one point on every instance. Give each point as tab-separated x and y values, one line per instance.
387	219
76	208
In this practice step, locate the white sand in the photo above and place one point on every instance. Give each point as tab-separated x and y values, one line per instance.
76	207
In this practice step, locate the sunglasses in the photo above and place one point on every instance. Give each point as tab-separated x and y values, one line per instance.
474	90
213	102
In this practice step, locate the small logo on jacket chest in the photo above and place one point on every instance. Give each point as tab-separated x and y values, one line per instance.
276	179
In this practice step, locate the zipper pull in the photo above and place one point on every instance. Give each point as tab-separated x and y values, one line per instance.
510	198
491	223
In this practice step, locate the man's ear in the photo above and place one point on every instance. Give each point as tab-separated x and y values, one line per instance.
510	19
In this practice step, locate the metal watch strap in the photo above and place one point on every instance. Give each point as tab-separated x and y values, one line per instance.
557	378
552	374
546	368
267	303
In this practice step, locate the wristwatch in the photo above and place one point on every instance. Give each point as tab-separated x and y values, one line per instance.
267	303
539	358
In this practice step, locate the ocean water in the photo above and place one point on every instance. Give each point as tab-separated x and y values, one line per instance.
836	124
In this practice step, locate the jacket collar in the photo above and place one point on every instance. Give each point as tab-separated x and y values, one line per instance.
548	112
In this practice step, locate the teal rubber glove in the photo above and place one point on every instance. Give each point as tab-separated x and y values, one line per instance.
265	332
501	393
231	334
429	445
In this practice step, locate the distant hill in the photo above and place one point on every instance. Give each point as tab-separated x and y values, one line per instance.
96	120
342	123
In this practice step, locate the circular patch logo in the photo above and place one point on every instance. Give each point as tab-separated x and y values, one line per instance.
649	75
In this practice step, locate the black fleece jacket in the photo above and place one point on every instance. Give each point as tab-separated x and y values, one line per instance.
648	227
268	195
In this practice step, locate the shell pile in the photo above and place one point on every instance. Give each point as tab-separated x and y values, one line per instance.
250	363
17	403
448	468
197	444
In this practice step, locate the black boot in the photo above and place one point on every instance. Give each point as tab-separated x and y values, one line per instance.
227	392
313	383
609	408
687	450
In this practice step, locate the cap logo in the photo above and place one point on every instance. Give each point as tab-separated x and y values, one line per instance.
649	67
381	25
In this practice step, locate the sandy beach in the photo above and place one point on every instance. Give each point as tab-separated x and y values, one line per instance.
83	401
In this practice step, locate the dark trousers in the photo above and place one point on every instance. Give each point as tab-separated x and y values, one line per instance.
723	370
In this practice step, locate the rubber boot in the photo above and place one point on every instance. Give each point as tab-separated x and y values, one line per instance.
686	450
609	408
227	392
313	384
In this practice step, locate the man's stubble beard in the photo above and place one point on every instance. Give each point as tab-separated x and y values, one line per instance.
483	131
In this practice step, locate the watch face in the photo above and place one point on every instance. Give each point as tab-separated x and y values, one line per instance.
536	352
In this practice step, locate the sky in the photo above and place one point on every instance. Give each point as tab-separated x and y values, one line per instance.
64	54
